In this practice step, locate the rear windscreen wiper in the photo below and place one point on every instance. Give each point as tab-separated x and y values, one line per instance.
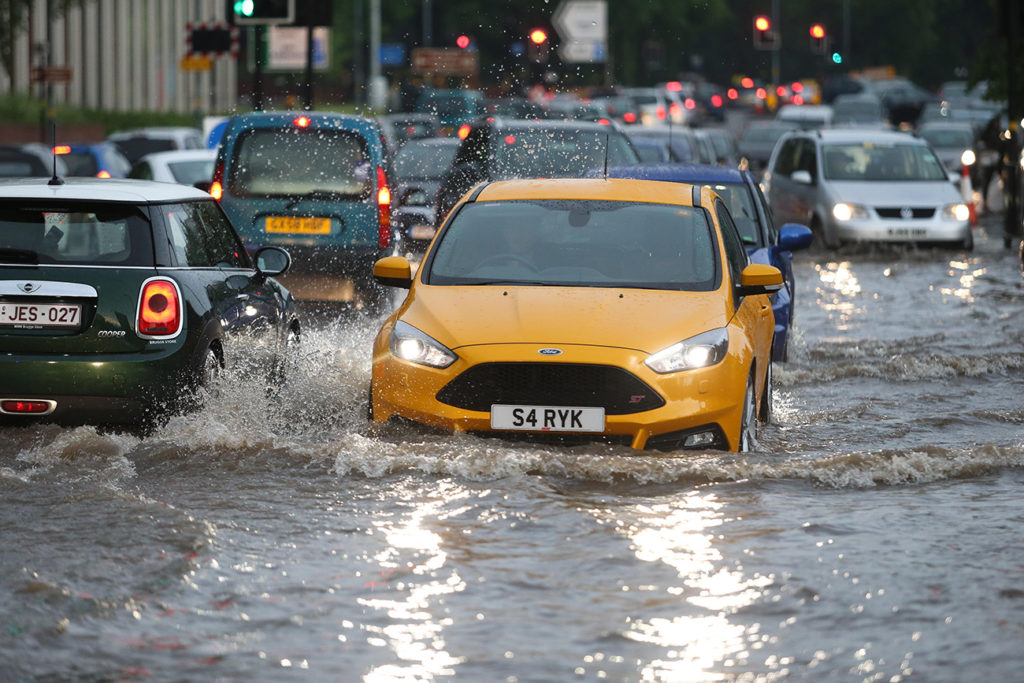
26	256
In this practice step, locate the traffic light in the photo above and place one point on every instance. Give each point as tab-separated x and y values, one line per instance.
263	11
765	37
819	40
538	45
463	41
837	58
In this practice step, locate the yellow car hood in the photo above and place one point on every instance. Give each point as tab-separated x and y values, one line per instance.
643	320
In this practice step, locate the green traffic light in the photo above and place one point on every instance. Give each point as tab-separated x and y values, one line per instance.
837	58
244	7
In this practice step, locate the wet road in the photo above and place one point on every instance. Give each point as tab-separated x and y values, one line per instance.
874	535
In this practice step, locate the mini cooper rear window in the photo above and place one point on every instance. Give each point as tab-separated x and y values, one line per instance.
78	233
577	243
301	162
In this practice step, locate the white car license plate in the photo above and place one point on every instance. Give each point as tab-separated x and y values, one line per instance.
40	315
907	232
547	418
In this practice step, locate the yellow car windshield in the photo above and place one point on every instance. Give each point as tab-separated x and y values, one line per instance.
576	243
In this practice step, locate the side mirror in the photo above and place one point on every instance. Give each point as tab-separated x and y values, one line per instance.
802	177
272	261
793	237
758	278
203	185
393	271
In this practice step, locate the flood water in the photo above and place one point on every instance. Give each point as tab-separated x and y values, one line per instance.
875	535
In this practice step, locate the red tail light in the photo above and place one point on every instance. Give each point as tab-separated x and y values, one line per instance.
302	121
12	406
103	174
464	131
159	309
217	186
676	109
383	210
660	112
62	149
629	117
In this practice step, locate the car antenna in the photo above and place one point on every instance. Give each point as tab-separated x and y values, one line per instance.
607	141
55	180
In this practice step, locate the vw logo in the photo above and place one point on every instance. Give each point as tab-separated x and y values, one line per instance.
550	352
28	287
906	213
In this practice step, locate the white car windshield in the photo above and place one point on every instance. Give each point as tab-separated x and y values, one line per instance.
577	243
867	161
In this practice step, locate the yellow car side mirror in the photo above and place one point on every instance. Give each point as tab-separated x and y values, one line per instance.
758	278
393	271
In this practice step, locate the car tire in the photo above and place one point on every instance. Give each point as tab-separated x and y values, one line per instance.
767	412
369	403
748	421
828	235
211	369
284	365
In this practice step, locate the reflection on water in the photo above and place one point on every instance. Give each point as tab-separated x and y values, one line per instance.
837	292
967	274
414	632
699	635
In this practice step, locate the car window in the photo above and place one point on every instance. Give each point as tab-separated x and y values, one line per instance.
868	161
773	233
191	172
807	158
141	171
474	147
741	207
577	242
75	233
81	163
553	153
293	162
735	254
200	236
423	161
786	161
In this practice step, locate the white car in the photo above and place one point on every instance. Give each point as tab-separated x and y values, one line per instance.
183	166
853	185
138	142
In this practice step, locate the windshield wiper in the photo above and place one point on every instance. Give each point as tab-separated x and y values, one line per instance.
26	256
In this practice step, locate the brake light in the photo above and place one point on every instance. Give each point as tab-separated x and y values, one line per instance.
217	186
604	122
510	139
159	309
464	131
103	174
629	117
302	121
62	149
26	407
676	109
660	112
383	210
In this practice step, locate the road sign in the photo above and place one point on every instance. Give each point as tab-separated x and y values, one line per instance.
194	62
583	27
444	61
213	40
287	48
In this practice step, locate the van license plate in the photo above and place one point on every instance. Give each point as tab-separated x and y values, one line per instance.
27	316
547	418
302	225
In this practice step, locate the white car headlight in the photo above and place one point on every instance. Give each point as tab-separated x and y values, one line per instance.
844	212
700	351
410	344
968	158
957	212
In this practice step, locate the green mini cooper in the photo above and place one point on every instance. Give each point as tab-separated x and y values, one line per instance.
119	297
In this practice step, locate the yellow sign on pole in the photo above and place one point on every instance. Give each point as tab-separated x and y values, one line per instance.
196	63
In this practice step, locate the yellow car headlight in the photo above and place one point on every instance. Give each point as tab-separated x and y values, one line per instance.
844	212
410	344
700	351
957	212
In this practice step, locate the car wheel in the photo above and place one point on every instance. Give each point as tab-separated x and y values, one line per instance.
286	362
748	423
767	413
968	244
369	402
211	370
828	235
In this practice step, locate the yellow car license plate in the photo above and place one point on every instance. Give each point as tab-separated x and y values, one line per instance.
298	224
547	418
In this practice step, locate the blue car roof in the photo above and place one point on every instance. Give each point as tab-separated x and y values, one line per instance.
681	173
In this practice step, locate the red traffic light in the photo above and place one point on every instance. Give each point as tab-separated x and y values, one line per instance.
762	23
462	41
538	36
818	31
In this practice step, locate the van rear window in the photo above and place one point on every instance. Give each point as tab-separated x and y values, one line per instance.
299	162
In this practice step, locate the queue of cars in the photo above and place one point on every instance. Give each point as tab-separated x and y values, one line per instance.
510	235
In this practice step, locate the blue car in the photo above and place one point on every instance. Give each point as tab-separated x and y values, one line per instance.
94	159
753	218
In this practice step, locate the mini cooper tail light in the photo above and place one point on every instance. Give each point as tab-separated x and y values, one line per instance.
217	184
302	121
17	406
159	309
383	210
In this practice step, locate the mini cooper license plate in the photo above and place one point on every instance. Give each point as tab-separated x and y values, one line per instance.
302	225
40	315
547	418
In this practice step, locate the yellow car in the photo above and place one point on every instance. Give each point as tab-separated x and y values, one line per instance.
611	310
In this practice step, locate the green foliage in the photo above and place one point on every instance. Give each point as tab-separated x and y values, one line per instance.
15	109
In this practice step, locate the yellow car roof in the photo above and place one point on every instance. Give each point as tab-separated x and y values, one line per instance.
609	189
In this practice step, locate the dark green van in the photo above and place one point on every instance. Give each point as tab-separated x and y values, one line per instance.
315	183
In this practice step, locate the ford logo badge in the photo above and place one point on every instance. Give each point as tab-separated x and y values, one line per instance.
550	352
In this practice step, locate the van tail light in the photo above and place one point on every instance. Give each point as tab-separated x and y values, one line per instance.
159	309
217	186
383	210
660	112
